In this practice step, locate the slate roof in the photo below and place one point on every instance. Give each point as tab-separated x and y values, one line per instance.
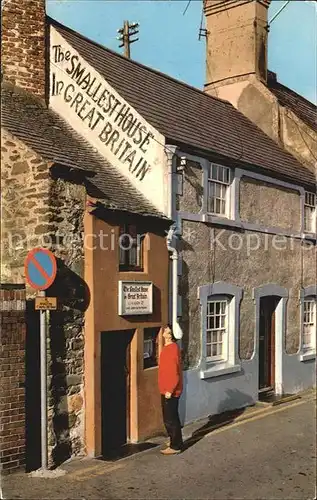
187	116
52	138
300	106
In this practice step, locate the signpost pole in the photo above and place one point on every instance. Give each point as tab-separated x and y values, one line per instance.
40	272
43	386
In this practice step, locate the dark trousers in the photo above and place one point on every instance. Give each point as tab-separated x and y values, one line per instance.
172	422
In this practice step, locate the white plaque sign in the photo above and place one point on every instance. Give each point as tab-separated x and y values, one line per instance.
135	297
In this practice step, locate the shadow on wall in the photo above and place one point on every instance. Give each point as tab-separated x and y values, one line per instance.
185	317
67	363
65	367
32	388
225	415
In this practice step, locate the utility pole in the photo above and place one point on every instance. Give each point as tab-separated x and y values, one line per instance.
126	33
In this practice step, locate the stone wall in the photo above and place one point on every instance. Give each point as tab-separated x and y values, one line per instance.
12	378
236	71
246	259
257	103
269	205
299	139
260	105
192	197
23	44
41	210
25	197
212	254
66	361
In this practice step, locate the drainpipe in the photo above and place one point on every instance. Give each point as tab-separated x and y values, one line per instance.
171	242
171	247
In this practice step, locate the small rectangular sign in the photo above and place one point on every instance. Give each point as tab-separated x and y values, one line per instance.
45	303
135	298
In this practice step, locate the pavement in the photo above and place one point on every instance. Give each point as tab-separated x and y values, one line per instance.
266	452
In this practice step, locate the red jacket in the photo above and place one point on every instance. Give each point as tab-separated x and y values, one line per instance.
170	376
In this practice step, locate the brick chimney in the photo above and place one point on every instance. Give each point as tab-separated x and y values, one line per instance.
23	44
236	41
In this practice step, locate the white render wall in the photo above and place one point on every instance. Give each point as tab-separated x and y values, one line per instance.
95	115
202	398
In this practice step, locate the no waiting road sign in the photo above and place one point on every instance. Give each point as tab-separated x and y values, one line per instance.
40	268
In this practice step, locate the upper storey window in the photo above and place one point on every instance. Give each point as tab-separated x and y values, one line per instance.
310	212
218	196
131	248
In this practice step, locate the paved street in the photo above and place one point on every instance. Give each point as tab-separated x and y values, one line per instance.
270	456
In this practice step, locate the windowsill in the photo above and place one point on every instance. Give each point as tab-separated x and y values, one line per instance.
310	236
307	356
150	368
131	270
217	371
220	220
238	224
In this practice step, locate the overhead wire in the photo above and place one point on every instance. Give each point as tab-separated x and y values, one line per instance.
186	8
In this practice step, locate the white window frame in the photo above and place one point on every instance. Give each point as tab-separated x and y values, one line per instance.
310	203
147	348
308	294
230	363
218	180
309	321
221	330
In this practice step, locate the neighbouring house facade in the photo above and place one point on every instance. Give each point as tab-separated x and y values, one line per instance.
217	225
60	193
236	70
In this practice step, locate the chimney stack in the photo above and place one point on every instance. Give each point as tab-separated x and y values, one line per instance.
23	45
236	41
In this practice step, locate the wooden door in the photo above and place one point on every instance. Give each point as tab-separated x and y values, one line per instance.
115	389
267	343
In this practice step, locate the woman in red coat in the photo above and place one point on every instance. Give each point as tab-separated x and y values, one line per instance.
170	379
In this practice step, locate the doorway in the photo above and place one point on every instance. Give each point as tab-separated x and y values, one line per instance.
115	390
267	343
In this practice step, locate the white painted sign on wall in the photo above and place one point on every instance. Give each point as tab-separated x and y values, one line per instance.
135	297
95	110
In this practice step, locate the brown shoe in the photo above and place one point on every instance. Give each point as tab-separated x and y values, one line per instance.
170	451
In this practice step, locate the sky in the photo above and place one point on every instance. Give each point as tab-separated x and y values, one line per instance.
168	36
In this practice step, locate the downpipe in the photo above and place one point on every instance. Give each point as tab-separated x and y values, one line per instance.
171	247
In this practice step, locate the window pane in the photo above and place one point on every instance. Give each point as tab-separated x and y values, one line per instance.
133	256
223	207
218	190
122	256
208	351
130	248
310	212
226	178
212	188
216	333
150	347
